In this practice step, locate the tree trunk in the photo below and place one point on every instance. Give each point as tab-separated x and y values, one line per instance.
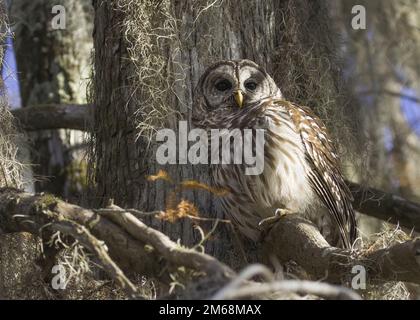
382	67
149	56
14	254
54	66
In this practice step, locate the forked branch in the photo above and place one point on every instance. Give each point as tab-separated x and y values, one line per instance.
135	247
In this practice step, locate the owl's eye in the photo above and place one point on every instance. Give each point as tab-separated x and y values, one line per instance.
223	85
251	85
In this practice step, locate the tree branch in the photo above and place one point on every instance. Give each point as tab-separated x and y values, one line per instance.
164	246
395	94
43	117
90	242
386	206
148	253
297	239
23	212
301	287
144	250
240	287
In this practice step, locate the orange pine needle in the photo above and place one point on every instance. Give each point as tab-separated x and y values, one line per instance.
192	184
161	175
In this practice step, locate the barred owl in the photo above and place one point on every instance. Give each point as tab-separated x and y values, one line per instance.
301	172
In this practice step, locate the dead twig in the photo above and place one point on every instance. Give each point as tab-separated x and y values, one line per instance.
241	287
301	287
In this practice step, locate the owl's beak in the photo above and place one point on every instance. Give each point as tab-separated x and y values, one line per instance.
239	98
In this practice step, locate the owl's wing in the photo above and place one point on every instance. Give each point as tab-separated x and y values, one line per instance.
325	176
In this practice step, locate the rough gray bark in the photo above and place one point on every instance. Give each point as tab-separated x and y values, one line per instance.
291	39
53	67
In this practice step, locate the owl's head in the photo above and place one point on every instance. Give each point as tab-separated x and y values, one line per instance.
234	85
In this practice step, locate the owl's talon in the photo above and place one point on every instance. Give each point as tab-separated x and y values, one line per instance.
282	212
278	214
266	221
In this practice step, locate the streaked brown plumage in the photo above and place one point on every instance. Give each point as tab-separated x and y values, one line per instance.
301	169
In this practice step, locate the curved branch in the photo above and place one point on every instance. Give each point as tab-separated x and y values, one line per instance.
166	247
240	287
301	287
294	238
138	248
133	245
23	212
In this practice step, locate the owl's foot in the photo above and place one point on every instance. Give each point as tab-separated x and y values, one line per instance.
279	213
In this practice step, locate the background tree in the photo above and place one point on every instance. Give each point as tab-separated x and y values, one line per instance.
12	253
382	77
54	67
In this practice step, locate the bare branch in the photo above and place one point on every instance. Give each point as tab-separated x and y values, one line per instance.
133	245
136	247
386	206
66	116
240	287
23	212
165	247
301	287
297	239
391	93
245	275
